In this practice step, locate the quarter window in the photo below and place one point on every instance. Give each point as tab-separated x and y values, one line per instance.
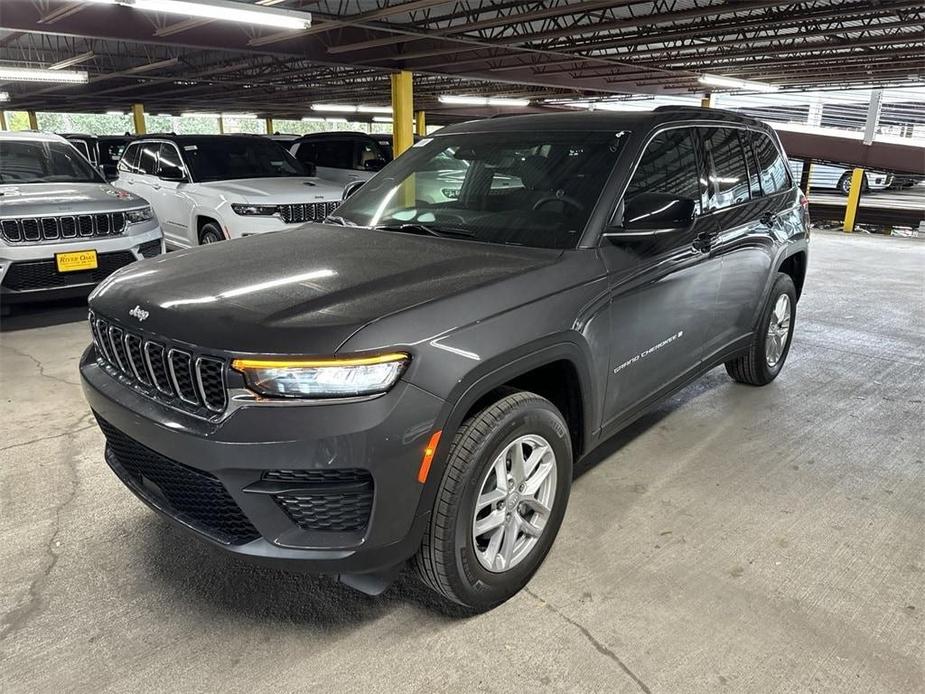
669	165
129	162
773	171
727	172
147	162
169	157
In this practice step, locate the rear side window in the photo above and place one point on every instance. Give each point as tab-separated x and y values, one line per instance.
772	169
307	153
669	165
147	162
129	162
337	154
727	172
169	157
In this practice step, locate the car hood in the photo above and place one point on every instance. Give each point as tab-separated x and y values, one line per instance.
282	191
294	292
28	199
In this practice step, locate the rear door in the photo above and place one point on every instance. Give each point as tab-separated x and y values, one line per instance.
127	169
663	287
746	220
175	208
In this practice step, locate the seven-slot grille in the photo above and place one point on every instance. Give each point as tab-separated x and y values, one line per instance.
82	226
307	212
193	382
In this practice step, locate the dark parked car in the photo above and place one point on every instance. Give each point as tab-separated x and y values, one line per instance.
413	381
103	151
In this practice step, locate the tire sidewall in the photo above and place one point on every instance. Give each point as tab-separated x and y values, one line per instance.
211	229
783	285
474	584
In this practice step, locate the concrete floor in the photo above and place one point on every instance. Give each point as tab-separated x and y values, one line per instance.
738	539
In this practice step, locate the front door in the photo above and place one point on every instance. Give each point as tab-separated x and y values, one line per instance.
663	287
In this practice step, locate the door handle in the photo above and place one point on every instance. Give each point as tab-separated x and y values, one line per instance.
768	219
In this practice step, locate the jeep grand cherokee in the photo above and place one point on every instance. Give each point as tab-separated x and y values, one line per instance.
413	380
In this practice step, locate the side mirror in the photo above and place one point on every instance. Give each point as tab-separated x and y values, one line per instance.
374	164
352	188
171	173
654	213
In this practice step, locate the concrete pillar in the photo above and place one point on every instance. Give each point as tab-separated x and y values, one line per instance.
221	125
854	199
33	121
268	122
420	124
2	120
707	101
138	119
402	108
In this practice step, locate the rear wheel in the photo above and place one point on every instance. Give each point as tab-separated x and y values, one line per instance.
844	184
500	503
771	342
210	233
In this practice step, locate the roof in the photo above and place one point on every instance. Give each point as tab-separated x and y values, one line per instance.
30	135
194	139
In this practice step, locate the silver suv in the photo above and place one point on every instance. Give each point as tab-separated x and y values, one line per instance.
63	229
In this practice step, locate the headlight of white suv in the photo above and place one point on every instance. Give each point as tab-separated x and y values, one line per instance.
322	378
142	214
248	210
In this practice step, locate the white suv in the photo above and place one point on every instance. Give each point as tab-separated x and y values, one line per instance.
208	188
63	228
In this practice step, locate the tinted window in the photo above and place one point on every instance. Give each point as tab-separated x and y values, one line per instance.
517	188
338	154
129	162
773	171
727	171
307	153
369	151
147	161
669	165
229	158
169	157
36	161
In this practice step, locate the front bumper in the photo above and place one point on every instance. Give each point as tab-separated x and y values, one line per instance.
28	271
227	487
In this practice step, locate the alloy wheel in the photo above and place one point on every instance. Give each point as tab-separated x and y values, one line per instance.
778	330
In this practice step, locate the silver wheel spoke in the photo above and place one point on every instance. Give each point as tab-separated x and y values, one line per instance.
536	480
510	539
529	528
537	507
494	545
536	457
492	497
517	463
493	520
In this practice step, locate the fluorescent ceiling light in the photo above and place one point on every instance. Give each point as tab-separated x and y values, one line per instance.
164	115
222	10
197	114
22	74
382	119
374	109
335	120
115	113
334	108
4	96
733	83
481	101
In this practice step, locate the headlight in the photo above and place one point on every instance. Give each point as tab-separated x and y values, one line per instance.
322	378
253	210
138	216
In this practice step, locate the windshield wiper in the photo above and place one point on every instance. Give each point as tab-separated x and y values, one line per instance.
418	228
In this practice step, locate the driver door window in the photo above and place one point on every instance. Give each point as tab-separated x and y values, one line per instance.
668	167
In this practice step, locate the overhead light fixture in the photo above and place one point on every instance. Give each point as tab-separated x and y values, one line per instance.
199	114
22	74
382	119
4	96
482	101
335	120
68	62
239	115
164	115
374	109
733	83
334	108
222	10
115	113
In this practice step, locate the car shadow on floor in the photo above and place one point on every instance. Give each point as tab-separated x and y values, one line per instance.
189	569
44	315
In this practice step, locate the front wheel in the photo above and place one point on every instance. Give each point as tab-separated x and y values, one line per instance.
500	504
210	233
771	342
844	184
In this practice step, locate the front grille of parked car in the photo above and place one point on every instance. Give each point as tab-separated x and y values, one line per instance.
307	212
337	500
64	228
43	274
163	371
192	496
150	249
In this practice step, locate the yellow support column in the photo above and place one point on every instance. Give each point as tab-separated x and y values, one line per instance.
854	199
706	101
2	120
268	122
138	119
402	107
221	125
420	124
804	176
33	121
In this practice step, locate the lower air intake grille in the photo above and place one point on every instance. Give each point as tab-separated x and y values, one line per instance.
192	496
43	274
331	501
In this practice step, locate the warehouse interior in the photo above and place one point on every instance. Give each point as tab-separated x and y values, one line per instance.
729	539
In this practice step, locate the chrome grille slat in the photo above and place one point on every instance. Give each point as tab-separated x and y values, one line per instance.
300	213
182	379
57	228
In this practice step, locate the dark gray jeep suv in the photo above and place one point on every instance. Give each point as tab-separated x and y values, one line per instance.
413	380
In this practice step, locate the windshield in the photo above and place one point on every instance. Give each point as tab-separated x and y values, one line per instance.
530	189
35	161
225	160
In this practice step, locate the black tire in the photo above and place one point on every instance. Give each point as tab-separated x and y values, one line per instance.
752	367
446	561
210	232
844	184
